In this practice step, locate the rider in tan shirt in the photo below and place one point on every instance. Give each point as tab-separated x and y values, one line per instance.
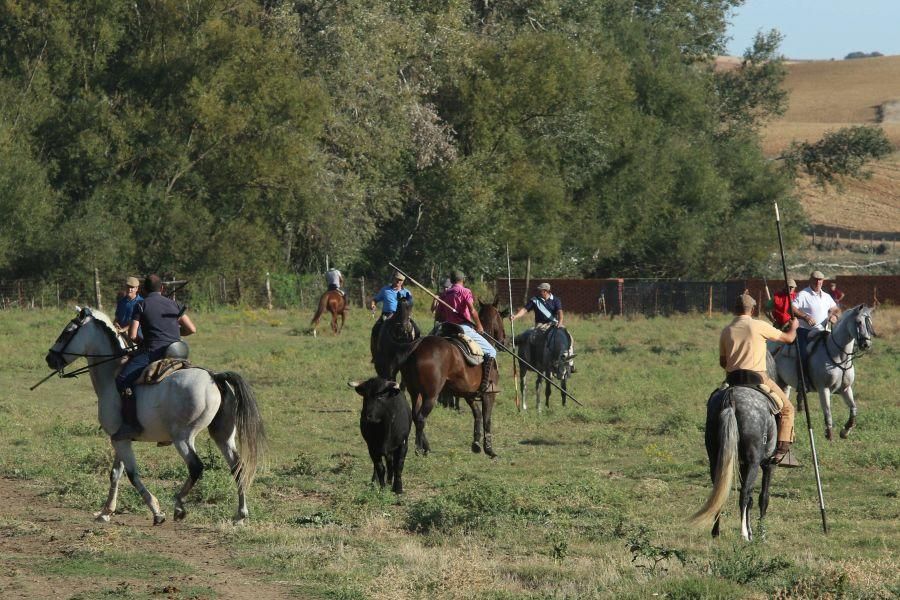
742	353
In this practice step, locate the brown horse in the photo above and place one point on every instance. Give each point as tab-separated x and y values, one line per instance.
335	303
437	364
491	319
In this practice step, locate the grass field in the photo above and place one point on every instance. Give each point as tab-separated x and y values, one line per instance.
582	502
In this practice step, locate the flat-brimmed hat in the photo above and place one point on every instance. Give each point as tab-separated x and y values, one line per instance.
399	276
544	286
132	282
792	283
816	275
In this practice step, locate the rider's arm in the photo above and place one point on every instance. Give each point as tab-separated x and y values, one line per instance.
133	331
518	313
475	318
559	318
186	326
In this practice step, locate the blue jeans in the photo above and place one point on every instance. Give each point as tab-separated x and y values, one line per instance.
482	343
134	367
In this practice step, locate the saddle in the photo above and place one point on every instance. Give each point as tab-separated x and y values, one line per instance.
162	368
471	351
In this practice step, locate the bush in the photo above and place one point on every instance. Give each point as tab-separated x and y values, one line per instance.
471	506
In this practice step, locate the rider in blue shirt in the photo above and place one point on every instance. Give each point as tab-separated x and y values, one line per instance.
389	295
548	315
125	305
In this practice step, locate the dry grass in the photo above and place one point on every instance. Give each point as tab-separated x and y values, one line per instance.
827	96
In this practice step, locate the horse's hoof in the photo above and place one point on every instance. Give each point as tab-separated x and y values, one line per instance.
239	521
845	432
101	517
180	514
829	435
159	519
476	447
421	452
490	453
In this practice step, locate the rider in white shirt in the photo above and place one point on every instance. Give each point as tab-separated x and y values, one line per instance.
815	309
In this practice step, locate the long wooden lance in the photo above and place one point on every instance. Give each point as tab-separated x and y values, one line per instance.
485	334
801	383
512	328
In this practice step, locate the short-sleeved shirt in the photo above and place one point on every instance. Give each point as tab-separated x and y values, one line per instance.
815	305
459	298
158	317
388	297
743	344
333	277
837	294
781	307
125	308
552	305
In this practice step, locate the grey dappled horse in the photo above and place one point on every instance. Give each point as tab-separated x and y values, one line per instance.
174	410
549	354
830	367
739	427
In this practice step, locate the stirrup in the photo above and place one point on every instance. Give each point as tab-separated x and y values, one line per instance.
786	460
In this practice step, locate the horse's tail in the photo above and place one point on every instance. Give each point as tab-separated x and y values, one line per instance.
728	445
323	304
247	421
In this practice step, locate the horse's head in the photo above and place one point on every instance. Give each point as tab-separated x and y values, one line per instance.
861	326
402	323
70	344
80	338
491	318
558	353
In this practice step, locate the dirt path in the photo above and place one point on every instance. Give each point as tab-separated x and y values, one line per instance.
35	533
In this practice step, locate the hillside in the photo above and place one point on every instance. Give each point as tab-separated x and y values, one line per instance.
828	95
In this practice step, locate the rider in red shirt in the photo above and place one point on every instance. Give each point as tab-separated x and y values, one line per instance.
781	310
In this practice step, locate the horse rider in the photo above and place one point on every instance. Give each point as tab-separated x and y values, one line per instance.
780	309
548	316
125	305
388	296
162	322
462	312
335	281
816	310
742	353
440	310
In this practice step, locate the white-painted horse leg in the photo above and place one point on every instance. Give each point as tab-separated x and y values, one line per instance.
229	451
109	508
746	532
825	401
126	453
195	471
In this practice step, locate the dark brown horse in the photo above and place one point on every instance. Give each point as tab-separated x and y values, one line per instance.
491	318
437	364
334	302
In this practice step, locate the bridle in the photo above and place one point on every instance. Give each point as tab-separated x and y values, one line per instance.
68	333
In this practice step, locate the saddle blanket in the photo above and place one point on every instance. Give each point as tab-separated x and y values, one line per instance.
474	348
160	369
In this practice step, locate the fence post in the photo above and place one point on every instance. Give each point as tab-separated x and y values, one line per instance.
237	284
527	281
268	291
362	291
709	312
97	289
57	295
222	289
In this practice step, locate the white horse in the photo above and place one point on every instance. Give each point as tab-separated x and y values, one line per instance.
174	410
830	367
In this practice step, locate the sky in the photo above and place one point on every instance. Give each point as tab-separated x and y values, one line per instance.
819	29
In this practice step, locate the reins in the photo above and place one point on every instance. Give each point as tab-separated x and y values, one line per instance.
846	363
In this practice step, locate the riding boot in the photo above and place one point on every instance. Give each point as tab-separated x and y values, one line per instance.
486	367
783	456
130	427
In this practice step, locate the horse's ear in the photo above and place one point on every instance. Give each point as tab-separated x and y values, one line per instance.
496	301
77	309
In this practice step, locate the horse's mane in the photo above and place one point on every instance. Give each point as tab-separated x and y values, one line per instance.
107	325
850	313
